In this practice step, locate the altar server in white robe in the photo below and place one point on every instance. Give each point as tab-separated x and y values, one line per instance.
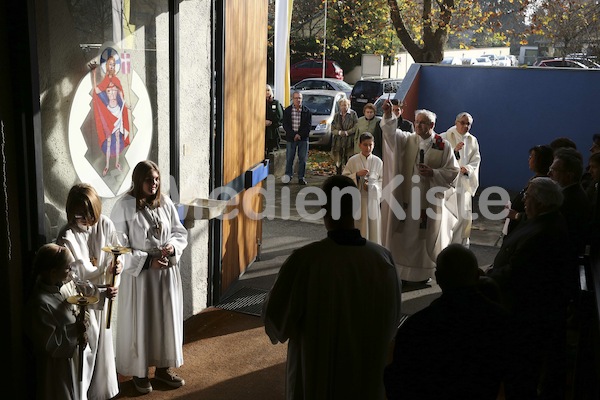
365	169
53	328
466	151
150	305
85	234
419	168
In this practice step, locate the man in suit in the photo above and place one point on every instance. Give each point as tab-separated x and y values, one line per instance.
297	120
531	268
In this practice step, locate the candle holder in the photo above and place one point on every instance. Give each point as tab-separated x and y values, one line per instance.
81	301
116	251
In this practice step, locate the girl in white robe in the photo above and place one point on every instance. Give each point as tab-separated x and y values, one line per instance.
366	169
85	235
52	326
150	306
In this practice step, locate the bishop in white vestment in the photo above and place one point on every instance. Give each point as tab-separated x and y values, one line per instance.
419	168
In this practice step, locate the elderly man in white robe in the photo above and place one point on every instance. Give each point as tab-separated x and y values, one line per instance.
419	168
460	199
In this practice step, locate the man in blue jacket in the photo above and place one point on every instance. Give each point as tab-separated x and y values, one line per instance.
296	123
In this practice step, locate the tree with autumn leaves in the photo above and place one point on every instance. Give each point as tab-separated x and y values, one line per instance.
424	28
569	26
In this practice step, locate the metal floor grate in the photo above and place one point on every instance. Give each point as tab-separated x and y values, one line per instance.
246	300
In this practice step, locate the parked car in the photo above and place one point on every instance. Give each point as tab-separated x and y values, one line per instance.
369	90
323	104
492	57
452	61
379	103
322	84
314	69
585	61
559	63
477	61
504	61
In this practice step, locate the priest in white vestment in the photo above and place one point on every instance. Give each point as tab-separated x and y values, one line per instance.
419	168
460	199
365	168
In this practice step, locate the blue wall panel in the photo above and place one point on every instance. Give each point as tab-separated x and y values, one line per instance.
514	109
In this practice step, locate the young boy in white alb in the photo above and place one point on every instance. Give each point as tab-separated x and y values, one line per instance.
366	170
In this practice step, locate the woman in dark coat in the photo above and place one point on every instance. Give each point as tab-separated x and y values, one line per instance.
272	122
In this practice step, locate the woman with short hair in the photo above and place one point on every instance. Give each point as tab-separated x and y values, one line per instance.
342	131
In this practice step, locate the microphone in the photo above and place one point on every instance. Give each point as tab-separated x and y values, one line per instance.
421	156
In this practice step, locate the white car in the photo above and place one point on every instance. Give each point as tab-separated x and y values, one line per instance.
452	61
492	57
504	61
477	61
337	85
323	104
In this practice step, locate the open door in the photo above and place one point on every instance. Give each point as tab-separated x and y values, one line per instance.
244	80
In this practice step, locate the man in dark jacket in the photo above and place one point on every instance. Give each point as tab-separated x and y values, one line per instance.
403	124
297	120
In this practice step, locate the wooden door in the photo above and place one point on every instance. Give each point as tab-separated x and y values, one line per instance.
245	74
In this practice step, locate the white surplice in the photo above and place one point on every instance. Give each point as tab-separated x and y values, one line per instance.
466	185
370	193
150	306
99	371
411	223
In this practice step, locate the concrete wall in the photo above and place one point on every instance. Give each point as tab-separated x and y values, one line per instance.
514	109
195	135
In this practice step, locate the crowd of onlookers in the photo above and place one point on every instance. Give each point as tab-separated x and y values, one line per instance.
502	331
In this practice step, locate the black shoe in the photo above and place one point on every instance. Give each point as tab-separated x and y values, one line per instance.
168	376
142	385
302	182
